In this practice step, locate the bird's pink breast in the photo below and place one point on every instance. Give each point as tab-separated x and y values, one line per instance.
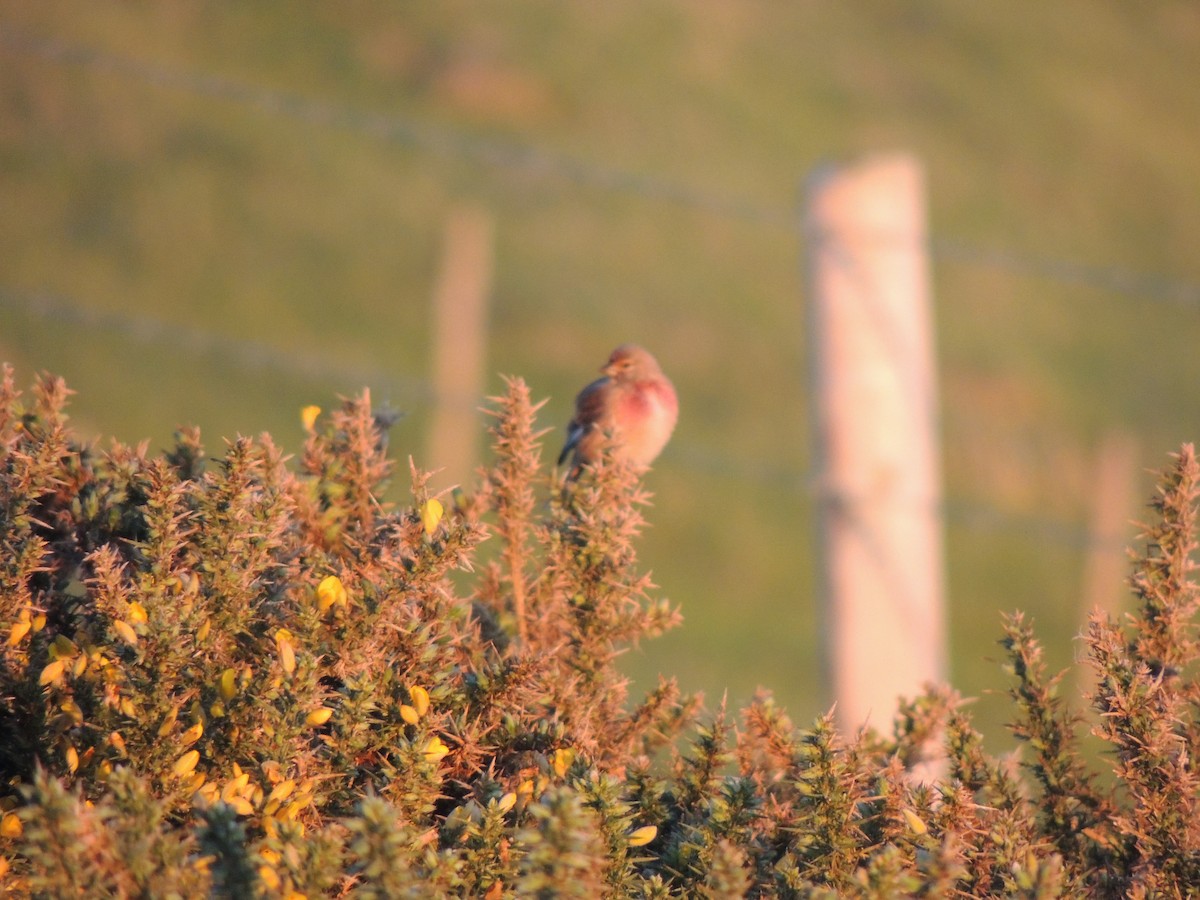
646	417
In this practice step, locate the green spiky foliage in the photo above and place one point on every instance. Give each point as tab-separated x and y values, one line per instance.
250	676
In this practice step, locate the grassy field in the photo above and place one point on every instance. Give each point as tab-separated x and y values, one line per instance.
238	211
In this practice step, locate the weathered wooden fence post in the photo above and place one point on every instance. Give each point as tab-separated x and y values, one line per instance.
460	308
870	333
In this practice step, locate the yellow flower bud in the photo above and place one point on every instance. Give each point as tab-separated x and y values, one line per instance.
287	653
18	632
52	672
435	750
269	878
125	630
282	791
420	699
137	612
192	734
507	802
168	722
331	592
431	515
11	826
308	417
561	760
319	716
915	823
639	837
71	708
228	684
409	715
186	763
525	791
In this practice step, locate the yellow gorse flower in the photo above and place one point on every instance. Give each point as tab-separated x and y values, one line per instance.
269	878
227	684
331	592
52	672
125	630
435	750
915	824
186	763
308	417
10	826
192	734
561	760
287	652
319	716
18	631
639	837
420	699
281	791
431	514
240	792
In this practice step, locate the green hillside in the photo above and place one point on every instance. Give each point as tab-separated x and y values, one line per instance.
217	214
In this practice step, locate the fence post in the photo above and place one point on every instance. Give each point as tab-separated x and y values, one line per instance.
870	338
1114	504
460	307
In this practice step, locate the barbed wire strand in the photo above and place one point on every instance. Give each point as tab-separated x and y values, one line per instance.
536	159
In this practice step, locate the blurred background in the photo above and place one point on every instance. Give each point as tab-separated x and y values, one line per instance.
215	214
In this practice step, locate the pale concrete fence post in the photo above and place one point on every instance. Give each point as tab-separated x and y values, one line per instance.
870	338
460	314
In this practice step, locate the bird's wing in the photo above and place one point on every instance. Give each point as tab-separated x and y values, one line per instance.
589	409
575	431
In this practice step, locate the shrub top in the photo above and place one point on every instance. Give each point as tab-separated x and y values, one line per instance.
247	677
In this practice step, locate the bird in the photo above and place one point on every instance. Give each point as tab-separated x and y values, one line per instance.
633	401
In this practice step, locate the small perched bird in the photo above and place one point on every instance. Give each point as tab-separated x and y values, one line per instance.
634	401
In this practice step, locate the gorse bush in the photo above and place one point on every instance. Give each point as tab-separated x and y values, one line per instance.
228	677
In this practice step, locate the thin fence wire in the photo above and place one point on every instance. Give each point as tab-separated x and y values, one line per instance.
440	140
251	355
532	158
60	311
535	159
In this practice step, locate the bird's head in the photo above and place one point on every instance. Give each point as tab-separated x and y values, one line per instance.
629	362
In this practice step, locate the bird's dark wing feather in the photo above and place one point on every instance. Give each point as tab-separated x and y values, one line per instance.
589	409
